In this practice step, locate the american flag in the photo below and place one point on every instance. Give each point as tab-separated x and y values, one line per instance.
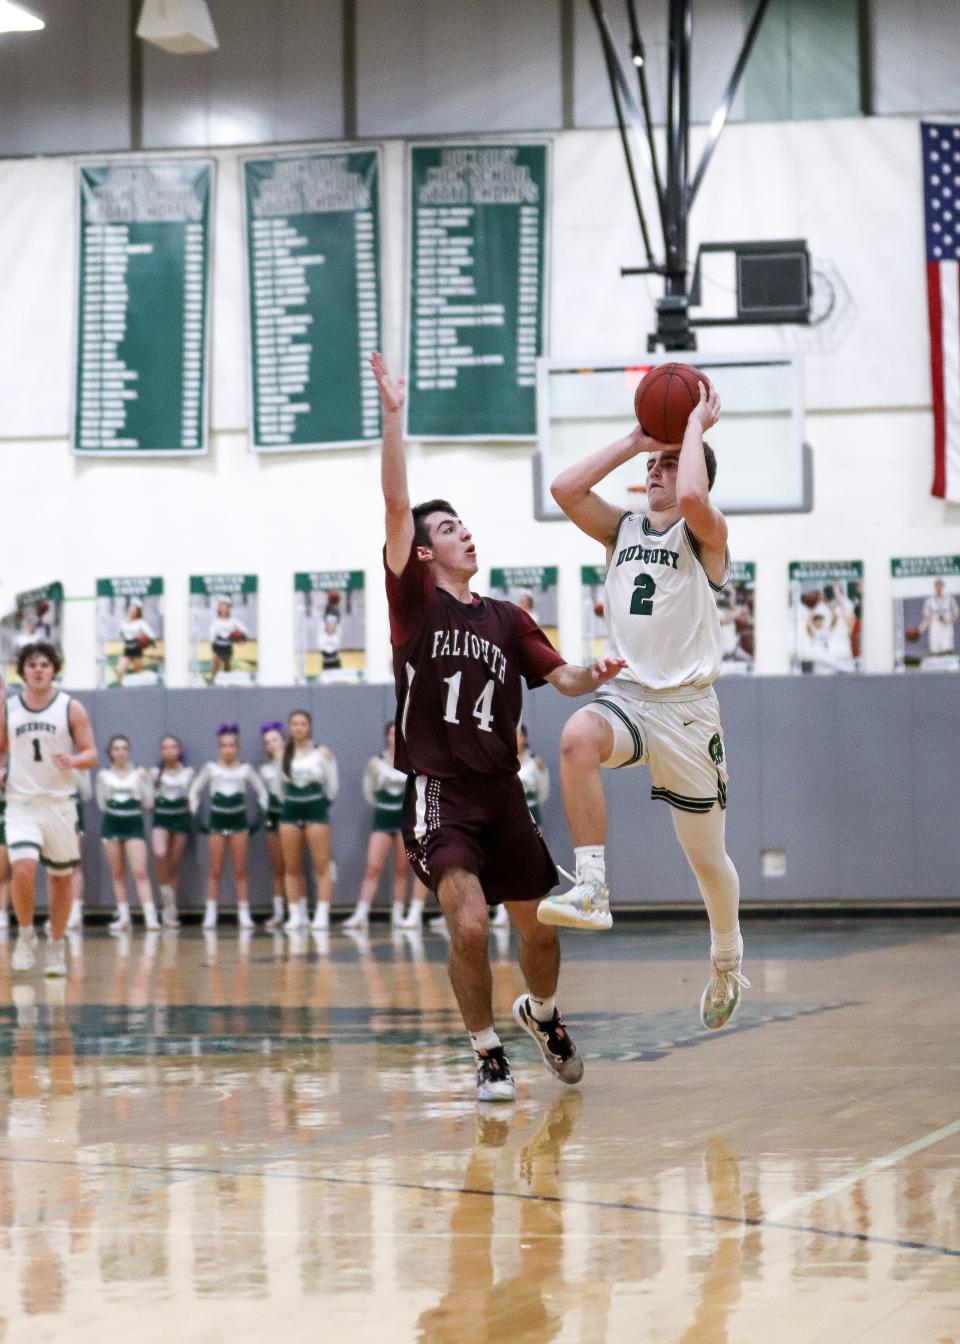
941	213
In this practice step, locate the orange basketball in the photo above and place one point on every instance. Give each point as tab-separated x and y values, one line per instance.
664	399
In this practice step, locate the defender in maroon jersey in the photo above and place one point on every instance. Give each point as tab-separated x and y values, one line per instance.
458	661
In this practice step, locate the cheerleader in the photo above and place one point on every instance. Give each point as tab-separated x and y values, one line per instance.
310	784
84	795
226	630
137	637
271	772
124	793
4	863
383	788
171	823
228	779
534	776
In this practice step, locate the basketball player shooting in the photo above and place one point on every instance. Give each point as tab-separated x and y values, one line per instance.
663	569
458	660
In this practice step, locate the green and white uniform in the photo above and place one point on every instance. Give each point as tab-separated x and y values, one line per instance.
41	807
383	788
271	772
123	797
3	817
228	786
171	808
131	632
84	795
663	621
535	779
309	788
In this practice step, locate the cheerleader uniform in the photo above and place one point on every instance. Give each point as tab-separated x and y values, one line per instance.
228	796
123	798
309	789
271	772
535	779
383	788
171	807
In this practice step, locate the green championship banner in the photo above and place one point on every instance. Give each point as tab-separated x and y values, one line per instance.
143	307
130	648
926	609
534	588
223	629
477	289
593	619
37	616
736	605
330	625
312	231
826	609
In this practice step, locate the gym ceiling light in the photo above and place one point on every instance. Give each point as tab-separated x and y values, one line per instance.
15	18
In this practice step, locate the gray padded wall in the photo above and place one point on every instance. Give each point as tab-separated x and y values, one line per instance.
853	778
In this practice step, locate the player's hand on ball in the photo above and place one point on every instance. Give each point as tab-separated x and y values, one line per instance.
393	393
605	669
707	410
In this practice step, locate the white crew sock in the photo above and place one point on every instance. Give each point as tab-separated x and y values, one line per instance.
542	1009
397	913
483	1041
590	864
726	949
278	906
167	893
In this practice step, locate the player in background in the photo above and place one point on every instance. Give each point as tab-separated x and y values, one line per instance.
171	823
383	789
137	636
940	614
227	779
310	785
4	862
458	663
271	772
226	630
663	570
124	795
46	737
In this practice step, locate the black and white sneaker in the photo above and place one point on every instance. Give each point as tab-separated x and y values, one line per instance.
494	1079
560	1055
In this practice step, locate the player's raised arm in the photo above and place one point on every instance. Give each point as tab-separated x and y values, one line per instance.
573	488
704	520
393	467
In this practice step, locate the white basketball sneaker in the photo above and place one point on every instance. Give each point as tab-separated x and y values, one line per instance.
721	998
585	906
56	963
25	952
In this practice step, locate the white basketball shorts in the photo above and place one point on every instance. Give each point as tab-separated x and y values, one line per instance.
680	740
46	826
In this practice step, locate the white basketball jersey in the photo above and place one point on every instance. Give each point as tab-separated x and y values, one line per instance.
34	736
660	608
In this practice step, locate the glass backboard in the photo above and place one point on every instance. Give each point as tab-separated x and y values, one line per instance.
763	465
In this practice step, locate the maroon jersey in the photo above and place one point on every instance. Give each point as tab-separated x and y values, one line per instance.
458	667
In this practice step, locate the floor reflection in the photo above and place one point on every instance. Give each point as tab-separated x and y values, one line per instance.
242	1129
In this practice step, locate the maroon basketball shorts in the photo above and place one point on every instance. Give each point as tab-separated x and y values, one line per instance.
480	823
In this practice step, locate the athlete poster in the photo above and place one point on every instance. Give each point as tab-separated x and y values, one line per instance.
735	605
593	616
926	610
223	630
826	610
130	646
533	588
38	615
330	626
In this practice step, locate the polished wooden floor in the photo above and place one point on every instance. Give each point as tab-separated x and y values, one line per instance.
209	1140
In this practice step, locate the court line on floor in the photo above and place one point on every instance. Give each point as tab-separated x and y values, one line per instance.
861	1173
732	1221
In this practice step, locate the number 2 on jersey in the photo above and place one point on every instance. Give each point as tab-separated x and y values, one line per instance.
482	710
641	604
